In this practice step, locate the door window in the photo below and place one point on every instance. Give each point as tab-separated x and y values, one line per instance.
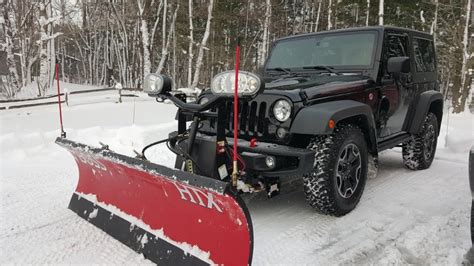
396	46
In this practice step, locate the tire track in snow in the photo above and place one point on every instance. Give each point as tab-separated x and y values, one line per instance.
395	202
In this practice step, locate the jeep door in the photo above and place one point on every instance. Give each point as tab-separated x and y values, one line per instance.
425	76
393	106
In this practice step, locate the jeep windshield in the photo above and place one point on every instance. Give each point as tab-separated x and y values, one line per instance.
324	52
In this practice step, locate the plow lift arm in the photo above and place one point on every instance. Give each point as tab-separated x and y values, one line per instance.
171	216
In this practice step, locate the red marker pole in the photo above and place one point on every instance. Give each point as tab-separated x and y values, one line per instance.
63	134
236	112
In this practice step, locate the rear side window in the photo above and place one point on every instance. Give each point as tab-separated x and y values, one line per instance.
424	55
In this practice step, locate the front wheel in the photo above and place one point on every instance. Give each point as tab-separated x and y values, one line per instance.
337	181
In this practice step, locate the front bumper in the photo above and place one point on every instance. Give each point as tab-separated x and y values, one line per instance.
289	161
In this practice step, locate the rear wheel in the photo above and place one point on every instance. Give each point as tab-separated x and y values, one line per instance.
337	180
419	152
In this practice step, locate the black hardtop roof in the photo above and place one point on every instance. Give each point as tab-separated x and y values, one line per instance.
377	28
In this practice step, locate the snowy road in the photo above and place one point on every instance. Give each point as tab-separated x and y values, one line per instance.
404	216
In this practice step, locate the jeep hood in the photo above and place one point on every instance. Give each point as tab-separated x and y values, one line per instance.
310	88
297	82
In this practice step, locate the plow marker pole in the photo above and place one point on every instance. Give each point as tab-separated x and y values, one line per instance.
63	133
236	110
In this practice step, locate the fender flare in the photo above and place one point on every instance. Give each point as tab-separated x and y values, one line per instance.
423	105
314	120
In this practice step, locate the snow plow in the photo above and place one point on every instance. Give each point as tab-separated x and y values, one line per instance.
170	216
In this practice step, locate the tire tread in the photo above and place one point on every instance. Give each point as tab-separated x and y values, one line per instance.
318	189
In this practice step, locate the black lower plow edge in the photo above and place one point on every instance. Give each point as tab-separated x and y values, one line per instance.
155	249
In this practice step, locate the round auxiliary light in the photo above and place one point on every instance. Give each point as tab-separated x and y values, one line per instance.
281	133
153	84
270	161
282	110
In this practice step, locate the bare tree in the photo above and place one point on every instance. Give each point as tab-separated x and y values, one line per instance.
202	45
434	25
26	36
356	13
381	9
164	51
265	39
191	43
367	13
155	26
10	31
329	15
464	90
317	16
121	45
142	6
47	51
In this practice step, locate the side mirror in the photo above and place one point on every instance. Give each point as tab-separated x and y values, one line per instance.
397	65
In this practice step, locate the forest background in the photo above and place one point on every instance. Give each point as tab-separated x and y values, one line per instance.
100	42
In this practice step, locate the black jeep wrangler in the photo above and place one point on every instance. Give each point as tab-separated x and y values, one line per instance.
323	107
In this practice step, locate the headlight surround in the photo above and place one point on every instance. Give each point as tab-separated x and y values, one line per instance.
282	110
223	83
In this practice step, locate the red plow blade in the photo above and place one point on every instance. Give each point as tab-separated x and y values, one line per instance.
170	216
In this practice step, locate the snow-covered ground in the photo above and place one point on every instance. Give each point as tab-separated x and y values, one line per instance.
403	217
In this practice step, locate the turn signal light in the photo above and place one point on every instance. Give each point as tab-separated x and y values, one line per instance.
331	124
253	143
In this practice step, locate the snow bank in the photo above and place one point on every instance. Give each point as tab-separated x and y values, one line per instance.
456	136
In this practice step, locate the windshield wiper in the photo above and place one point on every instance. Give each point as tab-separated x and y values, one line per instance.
281	69
321	67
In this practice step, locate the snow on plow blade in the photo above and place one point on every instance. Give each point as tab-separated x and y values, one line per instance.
171	216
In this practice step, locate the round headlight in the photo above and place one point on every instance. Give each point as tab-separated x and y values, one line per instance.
282	110
223	83
153	84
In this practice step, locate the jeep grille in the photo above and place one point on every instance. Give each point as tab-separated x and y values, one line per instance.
252	119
